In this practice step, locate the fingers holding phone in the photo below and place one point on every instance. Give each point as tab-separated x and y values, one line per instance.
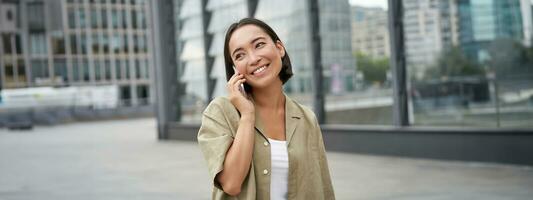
237	95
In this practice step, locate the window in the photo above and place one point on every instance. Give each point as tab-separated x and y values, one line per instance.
94	18
124	19
135	44
10	72
76	71
107	66
125	44
82	19
125	95
95	44
86	74
105	43
116	43
138	69
38	44
9	15
18	45
134	18
35	16
39	69
97	70
118	68
126	68
60	69
115	18
21	70
6	42
146	74
141	19
104	17
71	18
83	41
73	44
58	44
142	94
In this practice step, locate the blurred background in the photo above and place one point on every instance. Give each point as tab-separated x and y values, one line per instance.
434	79
468	63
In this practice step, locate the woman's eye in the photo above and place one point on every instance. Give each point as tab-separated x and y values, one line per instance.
260	44
238	56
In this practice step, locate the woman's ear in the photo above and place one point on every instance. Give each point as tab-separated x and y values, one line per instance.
281	48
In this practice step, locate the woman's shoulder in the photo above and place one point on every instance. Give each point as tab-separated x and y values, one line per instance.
219	101
219	105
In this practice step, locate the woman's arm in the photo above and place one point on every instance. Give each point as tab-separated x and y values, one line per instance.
239	155
238	158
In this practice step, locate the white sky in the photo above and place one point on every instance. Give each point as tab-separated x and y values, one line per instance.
371	3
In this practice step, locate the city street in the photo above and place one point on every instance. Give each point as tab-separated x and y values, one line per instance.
122	159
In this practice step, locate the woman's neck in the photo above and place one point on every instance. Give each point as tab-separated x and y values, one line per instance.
269	97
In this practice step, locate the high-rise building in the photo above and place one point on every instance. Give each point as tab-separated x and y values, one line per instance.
483	21
77	43
526	7
370	33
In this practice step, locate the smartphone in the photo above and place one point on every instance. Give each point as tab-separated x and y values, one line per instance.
241	86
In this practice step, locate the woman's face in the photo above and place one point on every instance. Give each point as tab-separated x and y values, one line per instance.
255	55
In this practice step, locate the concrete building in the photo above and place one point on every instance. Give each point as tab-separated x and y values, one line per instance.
76	43
370	32
430	26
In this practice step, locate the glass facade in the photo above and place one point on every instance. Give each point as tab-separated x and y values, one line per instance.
469	62
290	21
82	42
454	76
478	68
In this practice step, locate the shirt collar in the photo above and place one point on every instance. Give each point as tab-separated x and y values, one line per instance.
292	116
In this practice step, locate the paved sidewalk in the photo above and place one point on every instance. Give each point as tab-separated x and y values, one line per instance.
122	159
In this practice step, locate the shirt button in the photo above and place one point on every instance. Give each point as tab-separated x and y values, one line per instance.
265	143
265	172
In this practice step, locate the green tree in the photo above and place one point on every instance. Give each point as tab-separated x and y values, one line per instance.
509	57
453	62
373	69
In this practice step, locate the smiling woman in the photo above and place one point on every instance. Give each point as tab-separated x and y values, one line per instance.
261	144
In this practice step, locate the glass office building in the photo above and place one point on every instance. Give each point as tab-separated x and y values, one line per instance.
77	43
482	22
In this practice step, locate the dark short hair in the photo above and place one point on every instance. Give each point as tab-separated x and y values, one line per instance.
286	68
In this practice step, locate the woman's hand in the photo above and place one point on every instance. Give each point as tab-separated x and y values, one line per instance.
237	98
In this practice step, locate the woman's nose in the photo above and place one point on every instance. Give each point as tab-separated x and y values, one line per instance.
254	59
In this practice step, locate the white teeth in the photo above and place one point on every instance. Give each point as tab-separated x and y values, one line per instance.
260	69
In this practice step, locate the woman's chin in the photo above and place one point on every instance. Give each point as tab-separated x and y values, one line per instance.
263	82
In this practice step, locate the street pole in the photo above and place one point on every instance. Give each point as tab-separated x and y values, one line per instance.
314	28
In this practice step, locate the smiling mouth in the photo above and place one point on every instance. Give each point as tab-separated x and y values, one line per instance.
260	69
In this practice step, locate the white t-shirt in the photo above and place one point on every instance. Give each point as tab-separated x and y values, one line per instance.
280	169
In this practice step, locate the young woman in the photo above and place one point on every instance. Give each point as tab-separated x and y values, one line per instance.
259	143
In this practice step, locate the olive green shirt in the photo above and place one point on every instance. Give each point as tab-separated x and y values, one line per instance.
308	167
